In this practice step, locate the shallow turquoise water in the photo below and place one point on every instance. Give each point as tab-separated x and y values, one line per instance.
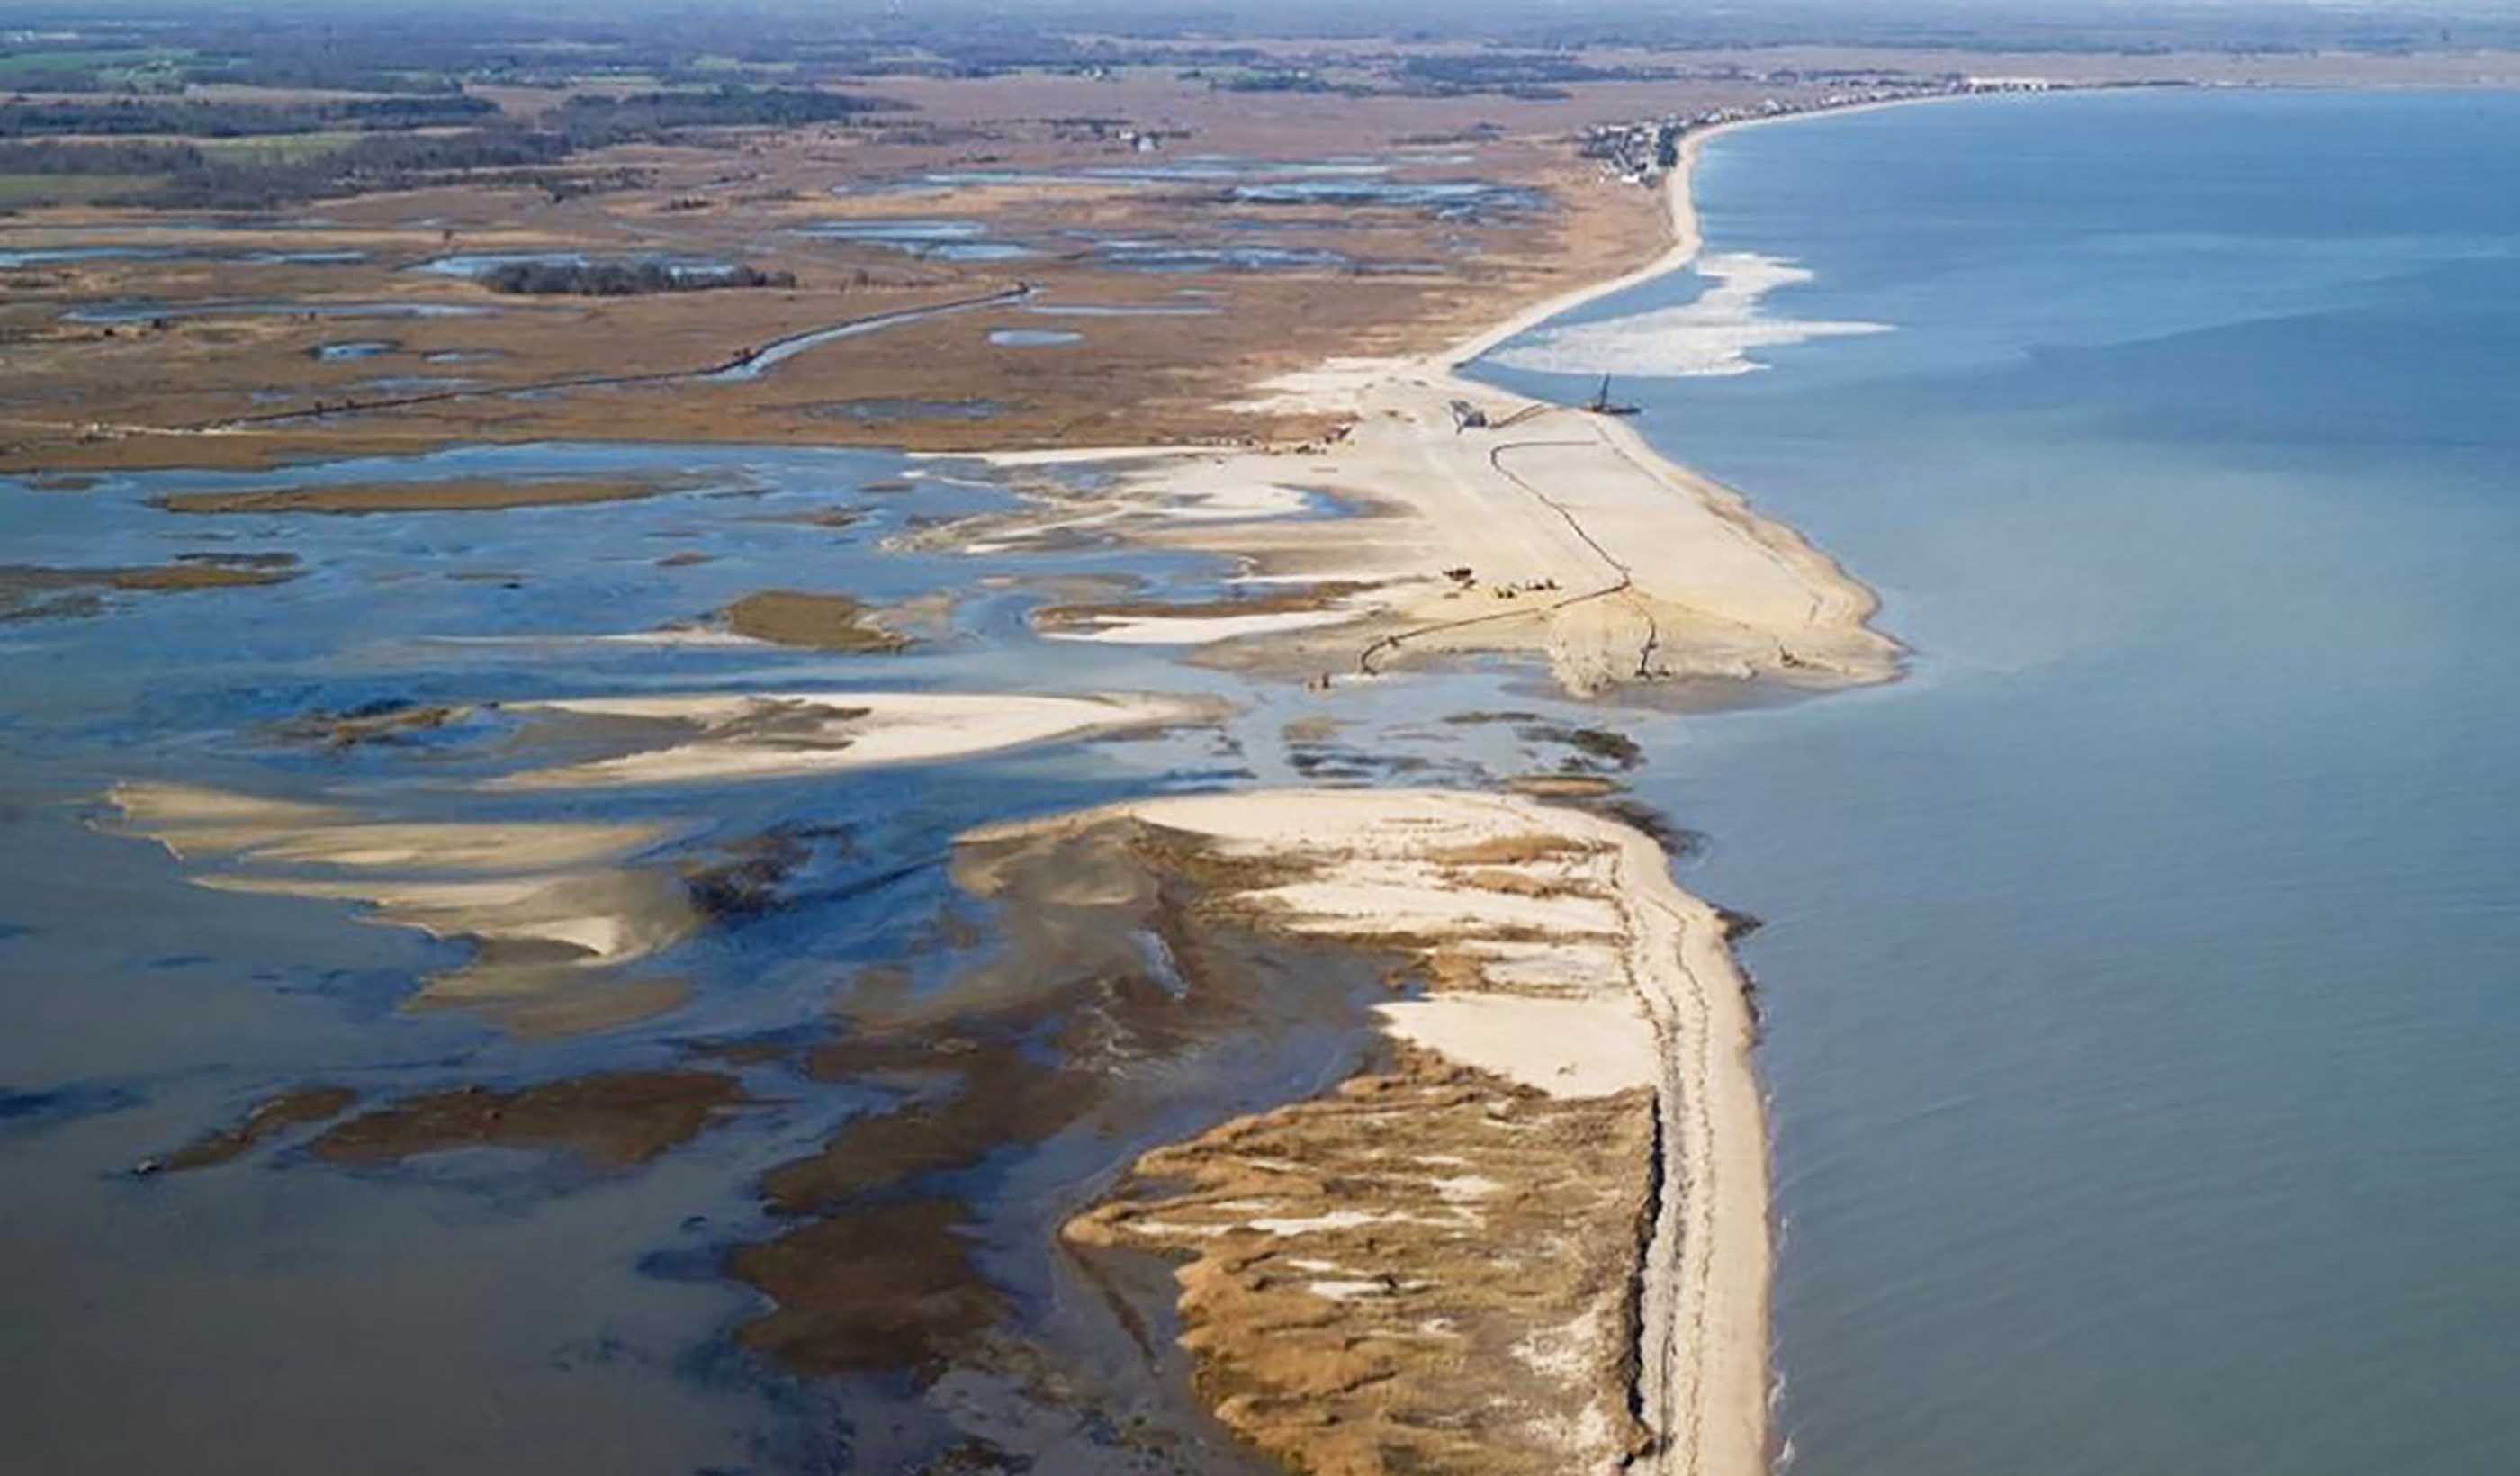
2142	975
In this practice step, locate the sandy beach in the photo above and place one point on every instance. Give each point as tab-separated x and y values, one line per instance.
1492	524
1563	963
1570	963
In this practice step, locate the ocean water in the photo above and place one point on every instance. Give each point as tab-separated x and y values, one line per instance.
2142	975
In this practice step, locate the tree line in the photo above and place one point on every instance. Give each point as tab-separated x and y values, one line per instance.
621	279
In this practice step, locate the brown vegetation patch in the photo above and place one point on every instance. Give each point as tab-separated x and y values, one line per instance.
35	592
825	517
139	393
1510	850
293	1108
202	576
820	621
749	877
373	723
1519	883
1427	1271
464	495
1637	814
1563	786
1072	1022
882	1287
614	1121
1598	744
1305	598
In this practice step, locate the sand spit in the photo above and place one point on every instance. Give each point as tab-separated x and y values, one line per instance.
715	738
551	907
1433	1254
1490	523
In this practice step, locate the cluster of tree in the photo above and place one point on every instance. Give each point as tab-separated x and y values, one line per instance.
1269	81
377	161
621	279
596	120
389	152
123	116
51	156
1510	70
381	53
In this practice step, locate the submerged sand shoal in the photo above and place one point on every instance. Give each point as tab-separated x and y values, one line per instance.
560	913
555	910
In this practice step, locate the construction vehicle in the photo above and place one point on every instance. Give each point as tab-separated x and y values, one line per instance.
1601	404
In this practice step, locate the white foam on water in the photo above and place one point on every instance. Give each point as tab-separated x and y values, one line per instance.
1709	336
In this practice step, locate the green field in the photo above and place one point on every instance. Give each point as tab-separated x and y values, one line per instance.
18	192
129	66
270	147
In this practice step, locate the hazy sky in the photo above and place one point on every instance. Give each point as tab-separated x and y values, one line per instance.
2106	21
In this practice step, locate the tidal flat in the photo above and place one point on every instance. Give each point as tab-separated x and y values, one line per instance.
419	1005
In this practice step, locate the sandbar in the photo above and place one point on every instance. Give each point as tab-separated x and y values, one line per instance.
553	908
717	737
